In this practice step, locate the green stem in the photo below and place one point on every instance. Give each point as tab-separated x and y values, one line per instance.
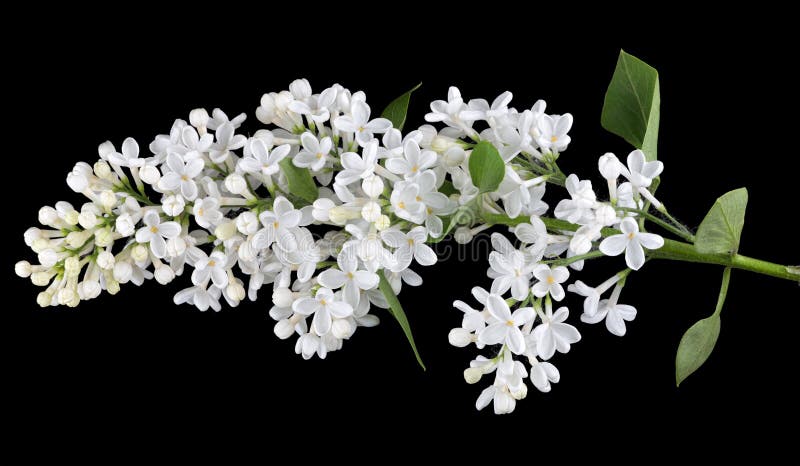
672	250
570	260
677	250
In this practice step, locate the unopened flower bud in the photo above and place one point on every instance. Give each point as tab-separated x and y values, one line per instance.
463	235
282	297
371	211
23	269
48	216
101	169
41	278
199	119
341	328
225	230
472	375
164	274
235	291
105	260
149	174
284	329
235	183
139	253
108	199
459	337
103	237
382	223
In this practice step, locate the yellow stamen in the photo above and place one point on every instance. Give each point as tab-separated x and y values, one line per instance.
212	263
275	224
154	229
510	323
630	235
401	205
550	280
553	138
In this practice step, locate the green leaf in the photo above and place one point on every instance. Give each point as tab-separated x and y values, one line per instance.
398	108
397	311
721	229
486	167
698	342
301	184
632	105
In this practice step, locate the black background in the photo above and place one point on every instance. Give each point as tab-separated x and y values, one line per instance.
133	378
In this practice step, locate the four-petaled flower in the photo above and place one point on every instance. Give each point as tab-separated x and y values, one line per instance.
324	306
155	232
506	329
631	241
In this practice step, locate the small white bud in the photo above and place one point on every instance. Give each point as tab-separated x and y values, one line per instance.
247	223
605	215
108	199
71	217
41	278
282	297
101	169
31	235
48	258
235	291
103	237
23	269
442	143
123	272
321	209
112	286
164	274
44	299
76	239
89	289
199	119
125	225
284	329
235	183
225	230
68	297
149	174
173	205
459	337
72	266
372	186
40	244
609	166
87	220
382	223
105	260
472	375
48	216
521	393
77	181
104	149
454	156
341	328
463	235
371	211
175	246
139	253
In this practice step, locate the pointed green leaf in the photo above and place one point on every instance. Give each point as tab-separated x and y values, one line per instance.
632	105
698	342
398	108
397	311
486	167
696	346
301	184
721	229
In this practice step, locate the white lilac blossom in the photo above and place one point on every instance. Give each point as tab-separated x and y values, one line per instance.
331	208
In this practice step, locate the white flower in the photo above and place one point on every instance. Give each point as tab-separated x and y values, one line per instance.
173	205
356	166
323	306
129	156
552	132
521	196
277	225
195	144
182	176
314	153
453	112
592	295
413	162
409	245
317	107
553	334
579	208
508	268
631	241
213	267
506	329
640	172
155	232
614	314
358	122
219	118
125	225
406	201
226	142
550	281
206	212
542	373
262	160
348	277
